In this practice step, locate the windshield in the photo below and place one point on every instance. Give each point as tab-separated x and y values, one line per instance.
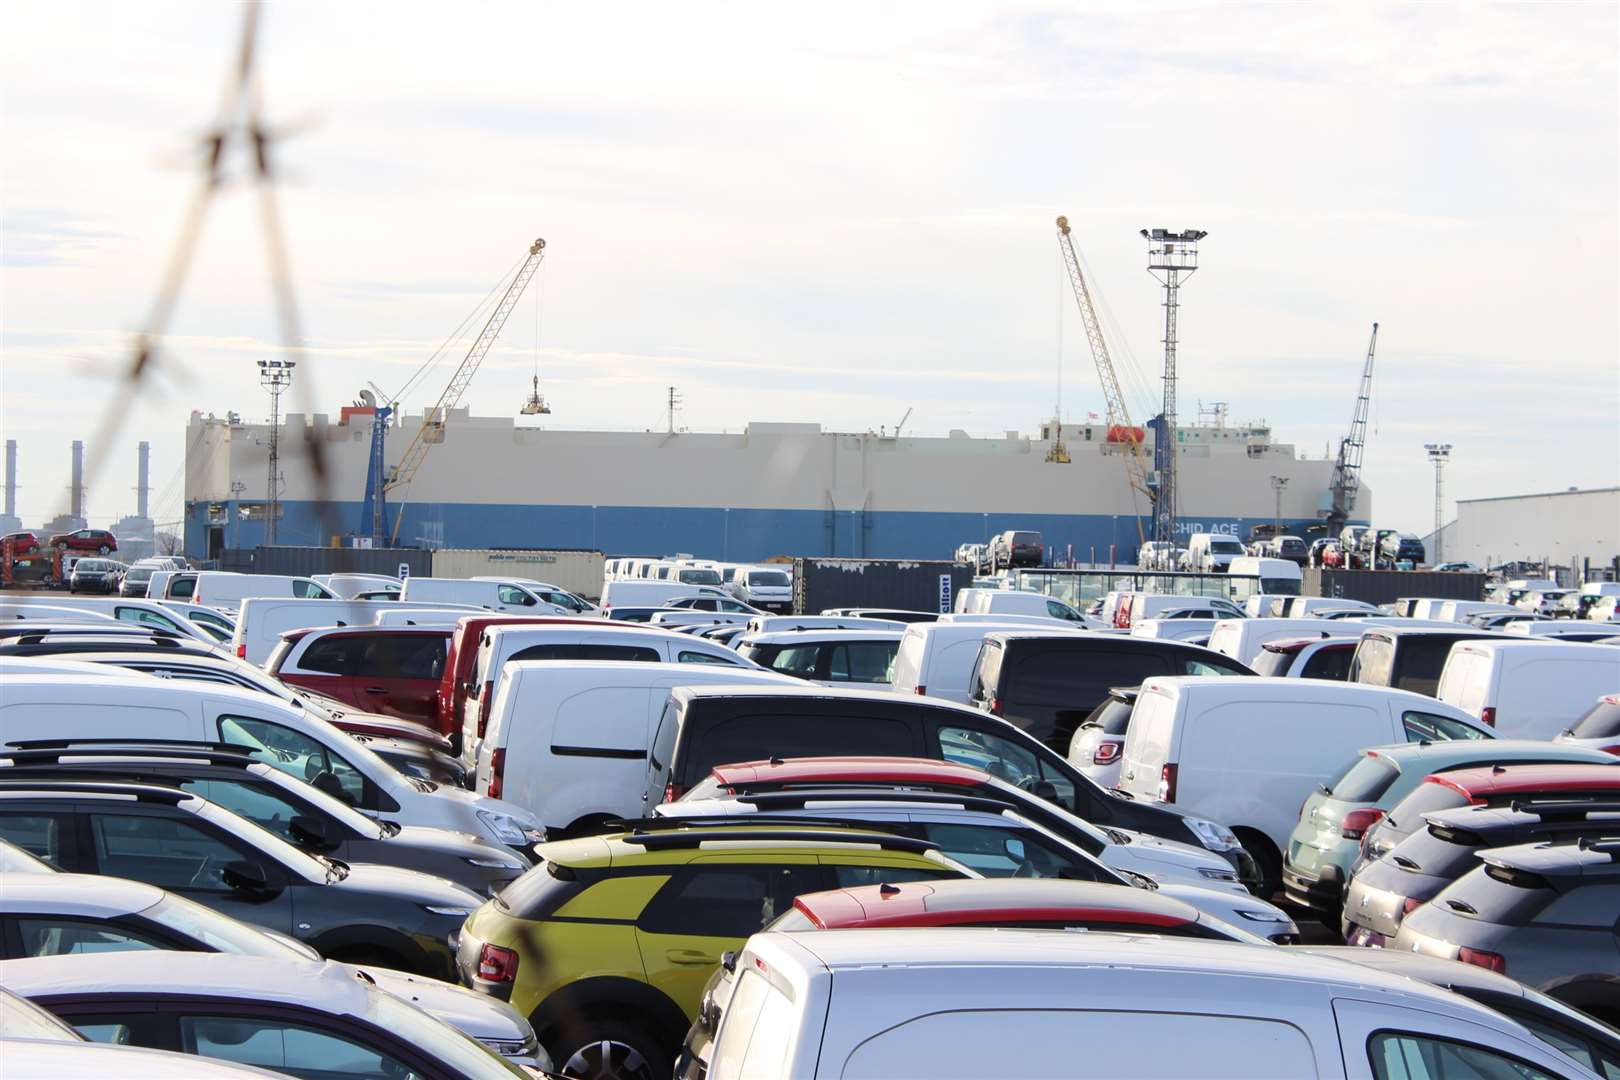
701	577
1226	547
139	574
1276	586
1601	723
219	932
770	579
459	1054
1273	662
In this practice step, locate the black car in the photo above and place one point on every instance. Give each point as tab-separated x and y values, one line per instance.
1047	684
96	576
177	841
1015	548
702	727
1408	657
314	820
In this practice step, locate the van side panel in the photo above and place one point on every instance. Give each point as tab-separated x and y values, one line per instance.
25	720
1537	698
585	756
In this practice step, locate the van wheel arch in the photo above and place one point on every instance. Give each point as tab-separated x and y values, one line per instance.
1265	854
377	947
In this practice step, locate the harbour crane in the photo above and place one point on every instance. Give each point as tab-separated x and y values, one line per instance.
433	421
1120	427
1347	468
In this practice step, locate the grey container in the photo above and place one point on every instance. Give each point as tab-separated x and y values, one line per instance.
905	584
1383	586
309	561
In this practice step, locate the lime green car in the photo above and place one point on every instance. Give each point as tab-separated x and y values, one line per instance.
607	942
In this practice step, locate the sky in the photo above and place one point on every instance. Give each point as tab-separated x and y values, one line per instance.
833	214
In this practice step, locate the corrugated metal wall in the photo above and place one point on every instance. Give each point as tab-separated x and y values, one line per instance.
907	584
1383	586
577	571
309	561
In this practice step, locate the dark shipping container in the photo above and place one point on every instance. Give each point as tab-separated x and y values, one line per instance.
1384	586
906	584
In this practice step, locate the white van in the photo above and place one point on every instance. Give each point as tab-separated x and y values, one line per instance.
506	642
1212	553
262	619
1277	577
350	586
1528	689
1245	752
11	612
776	624
292	740
1299	607
1196	631
226	591
1458	611
937	658
1242	639
969	1003
769	588
139	612
1014	602
505	595
1160	606
567	739
652	593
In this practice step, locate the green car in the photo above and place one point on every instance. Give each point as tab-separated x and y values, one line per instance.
606	944
1324	847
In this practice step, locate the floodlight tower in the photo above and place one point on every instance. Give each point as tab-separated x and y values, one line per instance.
1439	453
275	376
1171	255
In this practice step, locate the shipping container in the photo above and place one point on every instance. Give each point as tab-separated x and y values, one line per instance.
905	584
309	561
1385	586
578	571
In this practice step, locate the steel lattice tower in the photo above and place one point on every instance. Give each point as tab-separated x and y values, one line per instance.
1439	453
1171	256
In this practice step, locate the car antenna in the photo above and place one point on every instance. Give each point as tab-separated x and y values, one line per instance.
887	889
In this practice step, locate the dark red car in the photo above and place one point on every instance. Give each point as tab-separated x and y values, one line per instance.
458	669
99	541
22	543
392	670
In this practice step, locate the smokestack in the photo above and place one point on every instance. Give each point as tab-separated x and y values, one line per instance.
76	508
11	478
142	471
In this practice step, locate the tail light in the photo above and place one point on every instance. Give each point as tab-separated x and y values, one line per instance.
1480	958
673	791
483	707
1167	784
1487	716
1409	905
921	691
497	772
241	650
1107	752
1612	749
995	706
1357	822
496	964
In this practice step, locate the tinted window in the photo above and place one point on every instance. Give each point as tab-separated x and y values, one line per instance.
60	936
751	738
258	803
588	651
1007	852
1423	1057
686	656
182	588
796	660
37	834
1113	715
726	901
1601	723
1365	780
1419	661
865	661
336	655
1422	726
852	877
1426	798
1076	678
294	753
412	656
285	1047
1007	759
169	852
1327	664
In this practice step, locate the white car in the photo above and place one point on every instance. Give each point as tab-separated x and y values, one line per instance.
39	707
975	1003
829	657
1530	688
937	658
40	1059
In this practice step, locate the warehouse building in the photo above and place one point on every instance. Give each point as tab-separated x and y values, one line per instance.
1560	527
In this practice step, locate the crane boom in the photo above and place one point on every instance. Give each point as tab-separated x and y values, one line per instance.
1119	418
1347	468
434	420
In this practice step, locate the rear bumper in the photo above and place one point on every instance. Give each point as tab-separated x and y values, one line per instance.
1323	892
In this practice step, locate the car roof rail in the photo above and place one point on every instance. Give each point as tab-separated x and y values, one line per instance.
46	753
732	821
696	837
800	796
110	628
1546	807
1603	845
144	791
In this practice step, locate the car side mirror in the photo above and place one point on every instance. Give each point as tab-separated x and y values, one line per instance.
327	782
247	877
310	832
1045	789
728	960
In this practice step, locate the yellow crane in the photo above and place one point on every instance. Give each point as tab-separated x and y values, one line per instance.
1120	428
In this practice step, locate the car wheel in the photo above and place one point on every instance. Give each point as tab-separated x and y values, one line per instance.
614	1049
103	549
62	548
1266	857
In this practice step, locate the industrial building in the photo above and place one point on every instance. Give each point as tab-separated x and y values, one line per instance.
1558	527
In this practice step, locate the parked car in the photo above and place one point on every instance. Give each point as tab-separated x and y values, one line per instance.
769	588
96	576
39	1057
135	612
1178	748
1046	684
1098	744
994	602
67	914
1291	548
1159	606
950	1003
825	656
299	813
648	916
1407	657
395	671
300	1017
1543	913
22	543
137	576
1599	728
1015	548
1307	658
1155	555
717	604
656	593
261	620
703	727
99	541
462	657
1528	688
1461	566
1447	845
53	708
178	841
1211	553
568	739
226	591
1562	629
1500	785
899	615
1326	842
1245	639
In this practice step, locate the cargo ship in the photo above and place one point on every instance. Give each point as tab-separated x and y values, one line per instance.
770	489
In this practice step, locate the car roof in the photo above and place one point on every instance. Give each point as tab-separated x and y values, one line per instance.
1265	685
1580	856
74	894
1294	645
1511	779
810	692
368	629
849	770
116	689
816	636
677	841
317	984
1430	969
1428	755
970	900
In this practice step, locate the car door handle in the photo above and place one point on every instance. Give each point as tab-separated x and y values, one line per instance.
376	690
691	956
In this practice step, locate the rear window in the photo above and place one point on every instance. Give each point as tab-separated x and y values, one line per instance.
1601	722
763	735
1273	662
540	891
1419	660
1365	780
1374	661
587	651
1113	716
1025	539
1499	895
1426	798
986	671
1438	852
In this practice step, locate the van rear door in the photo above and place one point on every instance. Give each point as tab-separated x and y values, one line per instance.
1149	742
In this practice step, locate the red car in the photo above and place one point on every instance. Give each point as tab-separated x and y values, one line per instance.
99	541
463	657
393	670
22	543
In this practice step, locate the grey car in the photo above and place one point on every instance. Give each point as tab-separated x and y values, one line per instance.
303	815
177	841
1545	914
1417	868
